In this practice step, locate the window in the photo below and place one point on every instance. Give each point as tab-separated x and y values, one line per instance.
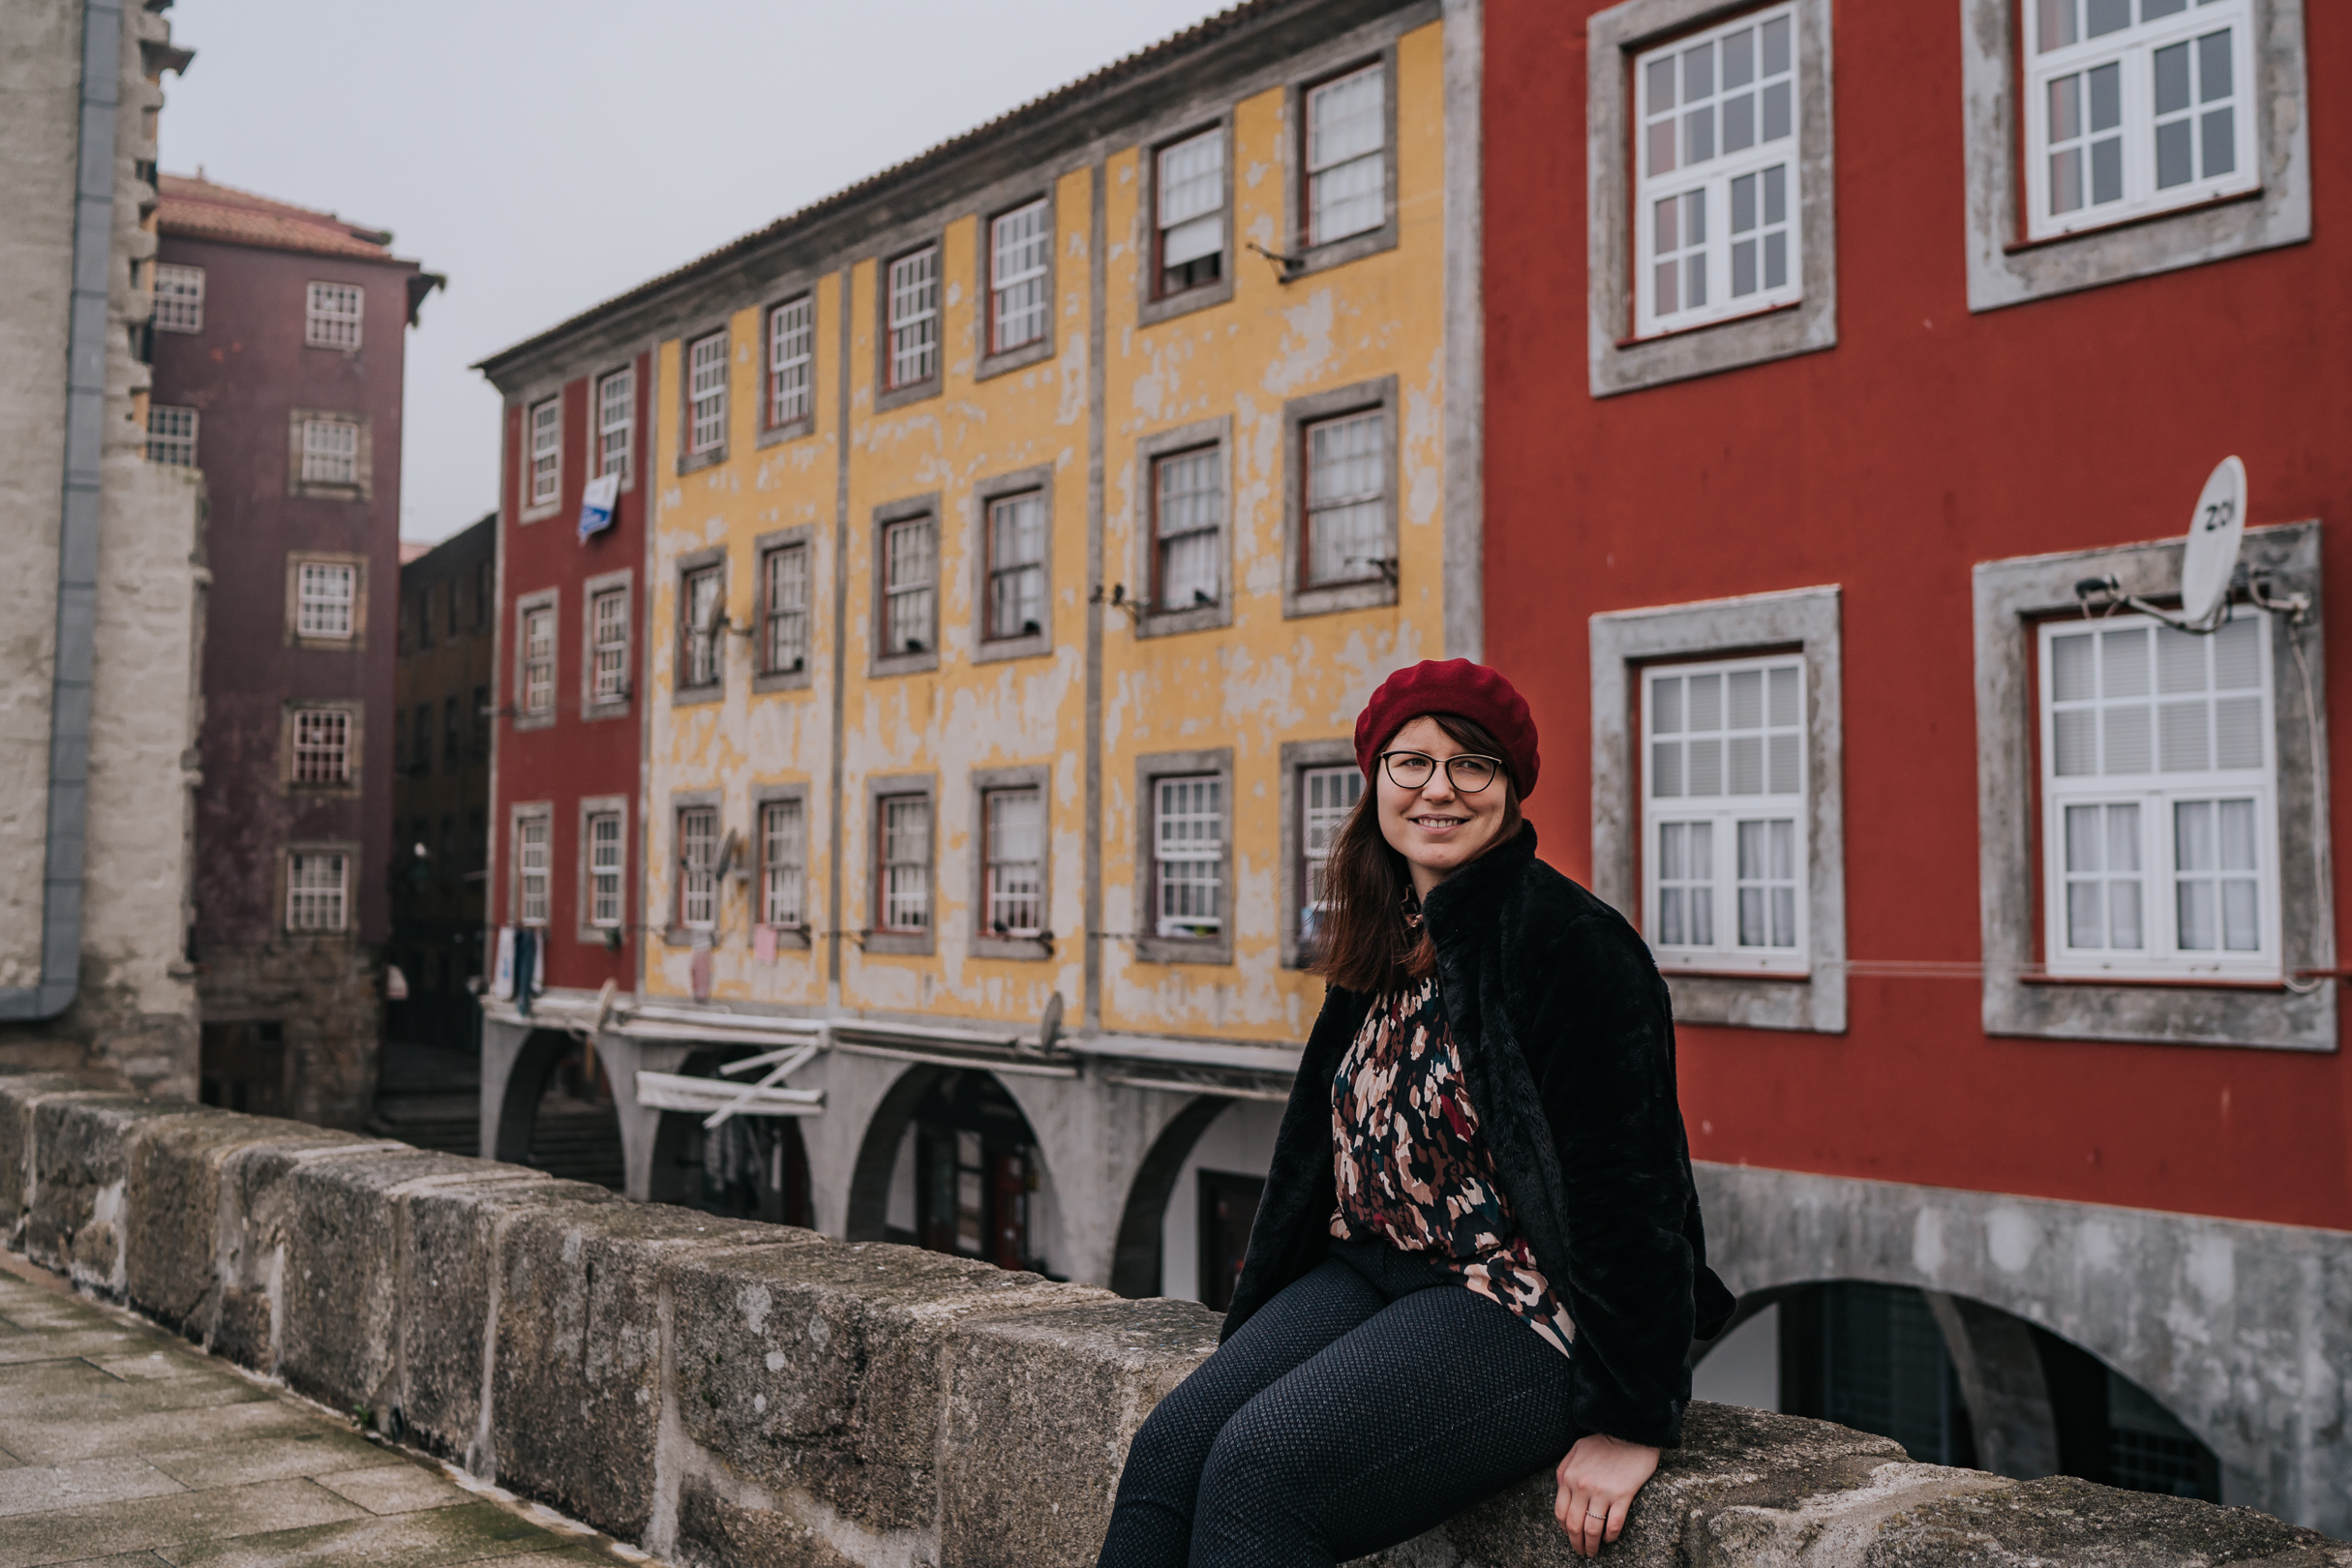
616	422
323	598
1191	229
906	863
910	594
792	350
179	298
2125	115
696	629
424	614
783	864
604	870
1326	795
1187	856
1717	195
1014	822
1020	245
532	856
481	721
450	748
609	646
1724	814
171	435
322	746
420	755
698	848
317	890
1346	170
1346	502
707	393
1016	565
1188	529
784	610
914	317
2158	801
331	318
546	452
453	607
330	452
485	593
539	660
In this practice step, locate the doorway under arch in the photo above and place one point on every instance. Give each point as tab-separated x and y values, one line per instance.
949	1162
558	1114
747	1167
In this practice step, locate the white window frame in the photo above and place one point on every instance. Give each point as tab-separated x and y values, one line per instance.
699	591
616	421
1192	821
535	867
330	452
538	684
1021	256
1327	794
784	608
912	304
317	890
909	585
327	599
172	435
608	619
607	859
1017	584
319	747
707	393
1710	189
1350	163
2153	795
1013	859
2132	51
1367	545
544	427
1209	459
332	314
784	863
179	297
792	359
1730	899
902	864
1187	208
698	879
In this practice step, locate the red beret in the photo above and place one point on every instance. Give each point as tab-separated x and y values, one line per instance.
1456	686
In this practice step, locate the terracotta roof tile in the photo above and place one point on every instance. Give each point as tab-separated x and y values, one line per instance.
197	208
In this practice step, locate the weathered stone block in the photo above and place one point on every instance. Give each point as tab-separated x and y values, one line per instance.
1039	1410
818	1368
576	1386
73	1218
19	1092
2060	1520
260	1213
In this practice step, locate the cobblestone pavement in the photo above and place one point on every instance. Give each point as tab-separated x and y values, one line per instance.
122	1447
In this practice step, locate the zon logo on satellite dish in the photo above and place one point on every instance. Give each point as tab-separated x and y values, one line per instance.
2209	565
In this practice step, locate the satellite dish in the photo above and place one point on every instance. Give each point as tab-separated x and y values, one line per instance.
2214	529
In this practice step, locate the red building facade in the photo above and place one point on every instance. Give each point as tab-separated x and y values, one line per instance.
279	342
1894	323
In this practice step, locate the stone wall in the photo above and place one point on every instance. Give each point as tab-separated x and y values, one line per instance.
724	1392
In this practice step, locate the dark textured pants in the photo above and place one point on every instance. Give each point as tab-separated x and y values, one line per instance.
1371	1401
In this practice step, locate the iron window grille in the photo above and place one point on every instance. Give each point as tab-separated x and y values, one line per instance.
1716	202
171	435
179	298
604	870
609	637
1346	500
1014	823
1347	163
906	863
698	867
324	594
331	317
1189	224
2129	115
330	452
546	452
783	864
1016	565
1187	858
1188	529
707	393
539	660
322	746
697	636
1020	246
317	890
616	422
784	606
910	583
532	857
913	320
792	351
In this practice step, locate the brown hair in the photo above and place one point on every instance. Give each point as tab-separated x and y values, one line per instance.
1362	942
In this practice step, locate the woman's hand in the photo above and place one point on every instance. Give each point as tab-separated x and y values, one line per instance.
1598	1480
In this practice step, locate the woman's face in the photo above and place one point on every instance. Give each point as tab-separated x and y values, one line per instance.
1437	828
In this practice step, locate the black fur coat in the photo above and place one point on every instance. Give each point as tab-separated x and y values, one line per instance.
1567	1046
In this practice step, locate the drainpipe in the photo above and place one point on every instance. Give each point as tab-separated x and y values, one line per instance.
60	980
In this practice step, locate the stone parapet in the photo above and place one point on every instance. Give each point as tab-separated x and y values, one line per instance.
725	1392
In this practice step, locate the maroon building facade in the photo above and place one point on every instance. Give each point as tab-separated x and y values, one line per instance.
278	368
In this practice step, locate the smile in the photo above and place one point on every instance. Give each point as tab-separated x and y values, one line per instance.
1437	825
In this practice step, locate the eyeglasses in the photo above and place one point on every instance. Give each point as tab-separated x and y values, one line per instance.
1468	774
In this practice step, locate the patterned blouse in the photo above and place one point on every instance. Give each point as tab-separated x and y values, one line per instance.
1411	1169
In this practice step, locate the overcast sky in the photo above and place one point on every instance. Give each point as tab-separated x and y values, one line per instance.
547	156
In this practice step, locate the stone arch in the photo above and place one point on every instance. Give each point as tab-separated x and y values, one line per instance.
869	1194
673	1134
535	1061
962	1091
1135	1264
